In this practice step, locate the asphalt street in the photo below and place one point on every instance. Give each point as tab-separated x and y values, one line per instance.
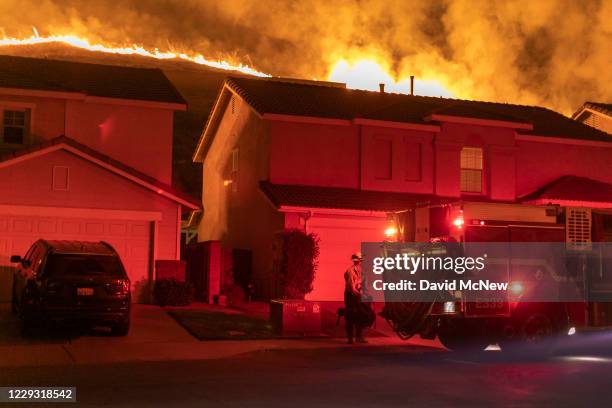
577	375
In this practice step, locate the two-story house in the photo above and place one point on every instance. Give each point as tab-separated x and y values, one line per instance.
293	154
86	154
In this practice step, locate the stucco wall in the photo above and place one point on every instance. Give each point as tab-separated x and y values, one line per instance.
314	154
239	214
137	136
140	137
396	160
538	163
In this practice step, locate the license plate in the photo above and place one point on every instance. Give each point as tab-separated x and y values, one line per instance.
85	291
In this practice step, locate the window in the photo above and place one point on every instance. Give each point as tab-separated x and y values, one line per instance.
471	170
13	126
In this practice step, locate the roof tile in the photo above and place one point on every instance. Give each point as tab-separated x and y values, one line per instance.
320	100
573	188
343	198
108	81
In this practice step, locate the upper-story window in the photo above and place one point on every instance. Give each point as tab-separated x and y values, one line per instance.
14	126
471	170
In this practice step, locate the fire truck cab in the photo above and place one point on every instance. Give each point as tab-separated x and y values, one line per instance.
465	322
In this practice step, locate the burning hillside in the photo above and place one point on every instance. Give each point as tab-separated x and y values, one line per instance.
551	53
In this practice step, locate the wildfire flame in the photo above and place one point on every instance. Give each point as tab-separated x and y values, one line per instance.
365	73
83	43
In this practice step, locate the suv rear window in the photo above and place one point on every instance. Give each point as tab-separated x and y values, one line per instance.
83	265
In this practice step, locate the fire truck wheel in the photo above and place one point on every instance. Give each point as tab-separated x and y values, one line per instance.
530	332
456	338
536	329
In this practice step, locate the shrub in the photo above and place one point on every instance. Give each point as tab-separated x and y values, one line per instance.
170	292
299	253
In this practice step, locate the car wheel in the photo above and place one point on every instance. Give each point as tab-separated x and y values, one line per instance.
121	328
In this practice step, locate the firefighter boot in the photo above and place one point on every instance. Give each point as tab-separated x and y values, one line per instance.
359	335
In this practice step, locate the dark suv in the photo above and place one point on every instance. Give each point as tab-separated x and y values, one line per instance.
72	281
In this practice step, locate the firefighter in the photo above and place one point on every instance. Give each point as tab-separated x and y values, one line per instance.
352	301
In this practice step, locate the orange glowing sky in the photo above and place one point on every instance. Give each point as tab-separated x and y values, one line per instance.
362	73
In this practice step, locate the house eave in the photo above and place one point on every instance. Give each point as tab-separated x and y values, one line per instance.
332	211
478	121
569	203
212	123
79	96
563	140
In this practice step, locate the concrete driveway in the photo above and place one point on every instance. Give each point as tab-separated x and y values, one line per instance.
152	330
150	324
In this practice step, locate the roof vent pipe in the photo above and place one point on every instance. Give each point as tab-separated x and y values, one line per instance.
411	84
382	88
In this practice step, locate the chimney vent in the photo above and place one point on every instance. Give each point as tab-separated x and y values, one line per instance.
411	84
382	88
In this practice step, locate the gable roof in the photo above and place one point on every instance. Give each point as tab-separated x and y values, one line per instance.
323	100
107	81
87	153
573	188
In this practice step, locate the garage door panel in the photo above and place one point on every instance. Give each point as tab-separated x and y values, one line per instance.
21	226
339	237
70	227
140	229
131	240
93	228
47	226
117	229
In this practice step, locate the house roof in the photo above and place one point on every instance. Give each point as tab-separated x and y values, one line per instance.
605	108
71	145
313	99
573	188
283	195
108	81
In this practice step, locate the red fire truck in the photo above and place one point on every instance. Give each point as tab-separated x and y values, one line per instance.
463	321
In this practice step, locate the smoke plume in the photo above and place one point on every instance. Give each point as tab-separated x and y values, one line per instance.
554	53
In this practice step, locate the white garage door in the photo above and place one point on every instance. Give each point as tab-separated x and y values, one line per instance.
339	237
131	239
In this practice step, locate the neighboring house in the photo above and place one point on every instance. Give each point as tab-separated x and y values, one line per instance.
316	156
597	115
87	155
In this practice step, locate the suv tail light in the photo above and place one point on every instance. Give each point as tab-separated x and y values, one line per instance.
119	288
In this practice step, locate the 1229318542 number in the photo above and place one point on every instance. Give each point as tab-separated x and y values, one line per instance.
47	394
